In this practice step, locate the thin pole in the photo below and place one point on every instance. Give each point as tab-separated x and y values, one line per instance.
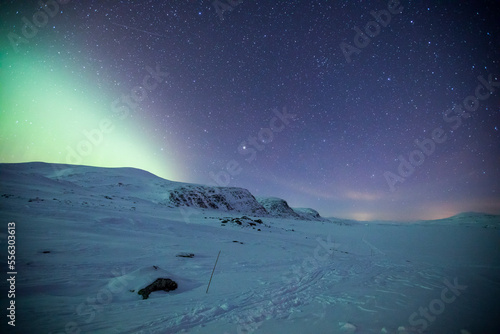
213	271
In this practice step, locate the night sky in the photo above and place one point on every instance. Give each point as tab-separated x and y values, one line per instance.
312	101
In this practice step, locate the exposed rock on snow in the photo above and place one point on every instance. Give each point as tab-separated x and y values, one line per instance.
243	221
308	214
184	254
165	284
218	198
278	207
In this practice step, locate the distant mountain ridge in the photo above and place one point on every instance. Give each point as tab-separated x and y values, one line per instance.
468	218
80	185
140	185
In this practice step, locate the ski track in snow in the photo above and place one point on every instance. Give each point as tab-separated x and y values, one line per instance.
280	300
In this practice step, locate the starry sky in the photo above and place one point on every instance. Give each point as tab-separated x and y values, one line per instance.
359	109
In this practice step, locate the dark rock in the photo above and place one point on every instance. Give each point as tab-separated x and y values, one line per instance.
165	284
183	254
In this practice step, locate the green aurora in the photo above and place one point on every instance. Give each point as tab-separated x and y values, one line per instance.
45	115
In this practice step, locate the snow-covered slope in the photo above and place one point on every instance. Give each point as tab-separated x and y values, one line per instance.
142	185
87	239
469	219
137	184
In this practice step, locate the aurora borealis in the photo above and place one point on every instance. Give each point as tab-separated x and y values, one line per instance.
195	91
53	120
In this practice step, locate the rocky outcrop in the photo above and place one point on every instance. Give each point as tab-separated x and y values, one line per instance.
278	207
217	198
308	214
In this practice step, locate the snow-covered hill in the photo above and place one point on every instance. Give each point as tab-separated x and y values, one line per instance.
469	219
87	239
126	183
143	186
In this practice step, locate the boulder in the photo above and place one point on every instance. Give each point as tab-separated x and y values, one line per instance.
185	254
165	284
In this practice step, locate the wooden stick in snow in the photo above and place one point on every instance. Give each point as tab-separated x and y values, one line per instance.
213	272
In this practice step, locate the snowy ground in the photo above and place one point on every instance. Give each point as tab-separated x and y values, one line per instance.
84	241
